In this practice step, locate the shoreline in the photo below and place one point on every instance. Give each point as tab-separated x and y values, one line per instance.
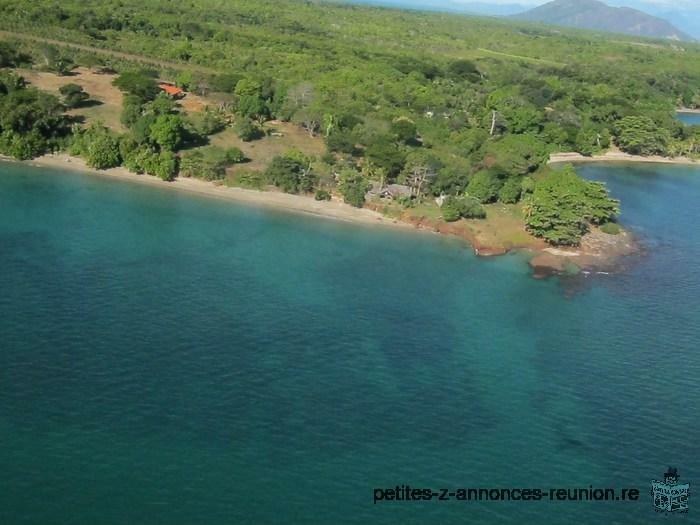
334	210
619	156
688	111
597	252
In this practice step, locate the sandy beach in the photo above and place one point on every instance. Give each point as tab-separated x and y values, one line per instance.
335	210
545	260
619	156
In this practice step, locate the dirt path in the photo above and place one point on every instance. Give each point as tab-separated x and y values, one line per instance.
523	58
7	35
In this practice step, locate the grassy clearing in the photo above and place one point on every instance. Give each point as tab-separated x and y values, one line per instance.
260	152
503	227
502	230
105	100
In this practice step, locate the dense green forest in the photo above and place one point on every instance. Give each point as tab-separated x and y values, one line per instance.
451	106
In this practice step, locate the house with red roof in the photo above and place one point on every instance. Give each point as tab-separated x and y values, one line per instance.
171	89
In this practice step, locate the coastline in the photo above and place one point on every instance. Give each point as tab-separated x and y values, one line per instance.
688	111
619	156
334	210
598	252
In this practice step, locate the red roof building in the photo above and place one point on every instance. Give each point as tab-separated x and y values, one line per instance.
171	90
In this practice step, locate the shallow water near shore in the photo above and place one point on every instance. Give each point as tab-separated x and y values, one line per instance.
692	119
167	358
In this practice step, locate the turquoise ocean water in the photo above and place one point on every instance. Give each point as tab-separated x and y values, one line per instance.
692	119
170	359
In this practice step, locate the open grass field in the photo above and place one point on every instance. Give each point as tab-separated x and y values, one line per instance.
504	228
260	152
502	231
105	100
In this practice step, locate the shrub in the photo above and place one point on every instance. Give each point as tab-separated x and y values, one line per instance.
138	159
31	122
132	110
290	175
22	147
451	210
9	56
455	208
322	195
144	159
165	166
341	141
162	105
250	179
247	130
127	144
484	186
450	180
406	201
73	95
234	155
464	69
210	122
167	131
384	154
185	80
611	228
353	186
404	130
137	83
527	185
102	151
208	163
472	209
328	158
226	82
510	191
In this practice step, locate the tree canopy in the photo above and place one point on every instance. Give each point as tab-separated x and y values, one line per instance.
31	122
291	174
563	206
138	84
641	136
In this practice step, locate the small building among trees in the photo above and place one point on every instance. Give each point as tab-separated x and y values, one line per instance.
390	191
172	90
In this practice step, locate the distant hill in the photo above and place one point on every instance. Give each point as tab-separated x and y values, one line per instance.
480	8
592	14
684	14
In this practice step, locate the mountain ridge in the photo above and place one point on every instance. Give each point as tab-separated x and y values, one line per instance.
596	15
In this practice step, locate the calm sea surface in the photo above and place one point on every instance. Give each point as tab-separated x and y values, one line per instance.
692	119
169	359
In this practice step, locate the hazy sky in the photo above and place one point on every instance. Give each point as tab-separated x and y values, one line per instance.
630	3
